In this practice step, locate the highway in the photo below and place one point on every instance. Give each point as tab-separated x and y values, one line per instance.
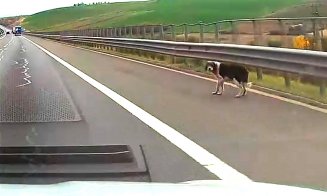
264	138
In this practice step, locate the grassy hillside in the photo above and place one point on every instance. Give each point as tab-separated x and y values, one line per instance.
152	12
303	10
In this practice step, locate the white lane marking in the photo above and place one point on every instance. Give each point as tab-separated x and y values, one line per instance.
291	101
199	154
27	76
22	50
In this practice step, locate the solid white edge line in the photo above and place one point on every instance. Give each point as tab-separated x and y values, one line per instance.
291	101
199	154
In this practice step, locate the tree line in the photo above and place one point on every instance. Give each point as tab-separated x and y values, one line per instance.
94	3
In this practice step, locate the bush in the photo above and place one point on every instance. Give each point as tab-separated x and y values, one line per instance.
302	42
274	43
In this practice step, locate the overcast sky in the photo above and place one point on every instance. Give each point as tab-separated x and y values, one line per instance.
26	7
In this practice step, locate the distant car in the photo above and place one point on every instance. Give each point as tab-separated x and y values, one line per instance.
17	30
8	32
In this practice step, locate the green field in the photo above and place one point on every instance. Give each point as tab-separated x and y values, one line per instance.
151	12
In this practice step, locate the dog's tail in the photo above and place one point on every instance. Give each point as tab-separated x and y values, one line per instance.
249	85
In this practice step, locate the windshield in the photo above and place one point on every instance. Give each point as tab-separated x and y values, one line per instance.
164	91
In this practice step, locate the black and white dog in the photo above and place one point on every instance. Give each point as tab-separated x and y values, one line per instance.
223	72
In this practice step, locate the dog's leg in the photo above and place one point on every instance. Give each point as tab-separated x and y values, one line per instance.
244	89
239	94
217	88
222	86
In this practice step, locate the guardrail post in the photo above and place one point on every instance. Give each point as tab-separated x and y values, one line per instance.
162	34
217	29
287	79
136	32
90	35
98	35
93	35
283	33
257	41
125	32
257	33
201	32
110	32
120	32
316	35
173	35
322	88
172	29
106	35
235	32
152	32
173	38
144	32
185	32
131	32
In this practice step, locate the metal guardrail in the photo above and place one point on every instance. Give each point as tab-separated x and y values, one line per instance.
303	62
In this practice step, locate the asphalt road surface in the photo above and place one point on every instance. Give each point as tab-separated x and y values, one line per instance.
266	139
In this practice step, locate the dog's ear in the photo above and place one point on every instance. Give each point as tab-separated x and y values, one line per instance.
209	66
